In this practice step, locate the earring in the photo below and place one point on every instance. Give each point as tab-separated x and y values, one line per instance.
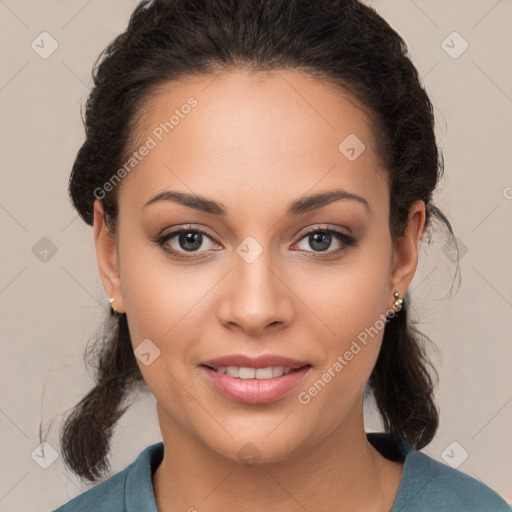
398	302
110	301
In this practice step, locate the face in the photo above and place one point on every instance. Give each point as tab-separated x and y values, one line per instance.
264	277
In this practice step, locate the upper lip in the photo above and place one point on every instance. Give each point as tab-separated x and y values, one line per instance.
263	361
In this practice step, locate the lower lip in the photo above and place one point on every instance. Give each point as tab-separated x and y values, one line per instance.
254	391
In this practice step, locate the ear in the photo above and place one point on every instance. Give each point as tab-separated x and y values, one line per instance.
107	257
405	259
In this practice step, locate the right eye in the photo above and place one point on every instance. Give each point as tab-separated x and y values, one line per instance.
187	241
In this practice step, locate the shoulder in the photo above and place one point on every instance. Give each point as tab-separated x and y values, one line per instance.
431	485
130	490
107	496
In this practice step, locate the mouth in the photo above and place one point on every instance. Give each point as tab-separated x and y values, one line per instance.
247	373
254	385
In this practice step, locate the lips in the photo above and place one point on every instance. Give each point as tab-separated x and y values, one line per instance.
255	391
263	361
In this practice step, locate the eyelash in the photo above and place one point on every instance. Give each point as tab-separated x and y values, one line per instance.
347	240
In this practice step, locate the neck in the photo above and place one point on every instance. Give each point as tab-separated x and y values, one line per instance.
342	468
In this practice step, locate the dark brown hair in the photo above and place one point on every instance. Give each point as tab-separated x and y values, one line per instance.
343	41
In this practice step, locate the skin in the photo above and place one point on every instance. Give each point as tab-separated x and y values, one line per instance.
256	142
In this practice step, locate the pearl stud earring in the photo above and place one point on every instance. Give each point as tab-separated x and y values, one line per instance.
110	301
398	302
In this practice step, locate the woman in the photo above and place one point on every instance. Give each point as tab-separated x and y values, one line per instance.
259	176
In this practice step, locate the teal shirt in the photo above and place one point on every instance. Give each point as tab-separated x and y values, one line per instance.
426	485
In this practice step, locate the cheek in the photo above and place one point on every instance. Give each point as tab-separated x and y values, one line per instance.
148	289
351	297
355	315
351	302
164	300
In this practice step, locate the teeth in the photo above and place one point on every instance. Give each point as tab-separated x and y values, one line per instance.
242	372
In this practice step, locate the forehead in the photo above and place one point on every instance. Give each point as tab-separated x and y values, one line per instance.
272	134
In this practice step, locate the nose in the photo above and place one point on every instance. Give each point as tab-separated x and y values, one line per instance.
255	296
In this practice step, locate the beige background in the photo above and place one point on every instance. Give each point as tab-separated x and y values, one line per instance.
50	309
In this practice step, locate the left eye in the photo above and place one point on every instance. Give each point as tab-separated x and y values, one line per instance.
321	239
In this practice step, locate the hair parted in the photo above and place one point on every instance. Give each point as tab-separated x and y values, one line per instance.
343	41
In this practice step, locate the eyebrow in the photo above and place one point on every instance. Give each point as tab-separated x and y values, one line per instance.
298	207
